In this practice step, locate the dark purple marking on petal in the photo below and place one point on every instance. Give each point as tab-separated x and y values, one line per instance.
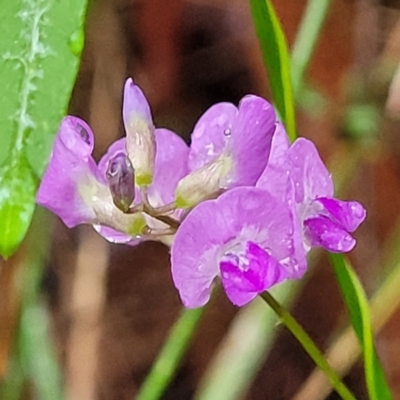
246	273
322	231
83	133
349	214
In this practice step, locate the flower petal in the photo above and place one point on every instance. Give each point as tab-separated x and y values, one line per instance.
135	104
237	216
349	214
70	174
114	236
322	231
140	141
76	135
251	141
250	272
170	166
119	146
308	172
210	134
280	145
275	177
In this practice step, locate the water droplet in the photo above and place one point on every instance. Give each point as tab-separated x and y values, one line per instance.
76	42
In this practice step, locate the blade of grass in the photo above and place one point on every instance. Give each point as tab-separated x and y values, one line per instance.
358	307
306	40
276	59
165	366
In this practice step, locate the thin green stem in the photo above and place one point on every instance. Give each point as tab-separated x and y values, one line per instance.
168	360
309	346
306	40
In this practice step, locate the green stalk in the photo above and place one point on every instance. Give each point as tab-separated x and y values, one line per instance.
309	346
164	368
306	40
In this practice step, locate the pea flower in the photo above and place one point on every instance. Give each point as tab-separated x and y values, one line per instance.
113	195
325	221
245	238
230	148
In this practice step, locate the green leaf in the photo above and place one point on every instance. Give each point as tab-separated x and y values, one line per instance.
276	59
17	194
38	67
358	307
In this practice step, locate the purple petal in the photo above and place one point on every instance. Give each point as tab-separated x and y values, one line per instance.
135	104
280	145
71	168
275	177
170	166
119	146
322	231
114	236
75	135
210	134
250	272
213	227
140	141
349	214
251	141
308	172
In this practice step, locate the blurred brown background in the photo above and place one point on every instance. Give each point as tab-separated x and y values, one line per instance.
113	305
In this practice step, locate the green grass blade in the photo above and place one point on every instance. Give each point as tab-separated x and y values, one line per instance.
276	59
358	307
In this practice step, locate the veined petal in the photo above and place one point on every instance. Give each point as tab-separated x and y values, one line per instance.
349	214
248	273
308	172
251	141
215	227
210	134
322	231
140	141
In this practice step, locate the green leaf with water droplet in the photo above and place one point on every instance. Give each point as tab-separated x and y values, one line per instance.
37	73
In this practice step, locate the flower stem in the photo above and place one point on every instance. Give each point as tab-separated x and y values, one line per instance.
309	346
167	362
306	39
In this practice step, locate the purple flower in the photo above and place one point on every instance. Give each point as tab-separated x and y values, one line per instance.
230	148
73	188
325	221
245	237
79	191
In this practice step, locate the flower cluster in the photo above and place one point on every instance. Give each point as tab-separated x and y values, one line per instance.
240	205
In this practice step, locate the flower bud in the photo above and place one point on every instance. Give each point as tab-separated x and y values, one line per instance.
121	181
203	183
140	138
